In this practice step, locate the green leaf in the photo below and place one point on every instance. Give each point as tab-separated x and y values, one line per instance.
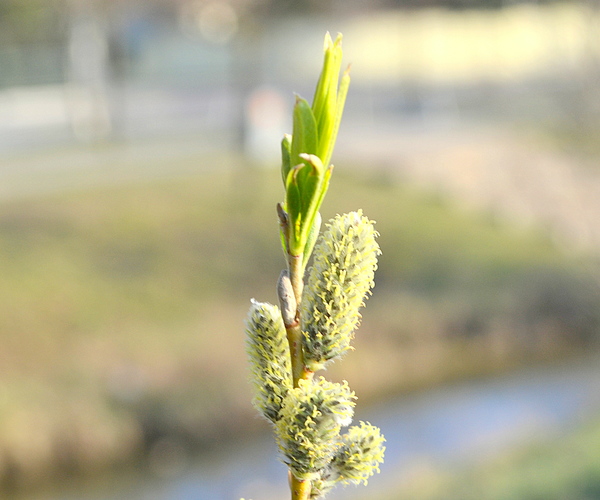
286	153
304	188
284	227
293	207
311	192
340	102
313	234
306	156
319	97
304	134
325	99
324	186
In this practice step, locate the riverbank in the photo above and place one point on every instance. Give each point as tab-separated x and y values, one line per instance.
528	434
561	467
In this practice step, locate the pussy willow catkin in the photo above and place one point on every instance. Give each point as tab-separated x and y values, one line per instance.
269	354
345	260
311	419
356	459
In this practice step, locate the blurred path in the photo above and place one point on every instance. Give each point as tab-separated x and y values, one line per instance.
489	168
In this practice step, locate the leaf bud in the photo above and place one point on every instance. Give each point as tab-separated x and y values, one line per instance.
287	299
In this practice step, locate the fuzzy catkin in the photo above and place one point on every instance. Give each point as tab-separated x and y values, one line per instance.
269	354
323	484
311	418
360	455
357	458
341	276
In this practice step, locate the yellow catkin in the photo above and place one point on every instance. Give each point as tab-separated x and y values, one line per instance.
269	354
310	422
358	457
345	260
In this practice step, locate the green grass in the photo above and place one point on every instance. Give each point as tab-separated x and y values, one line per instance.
121	308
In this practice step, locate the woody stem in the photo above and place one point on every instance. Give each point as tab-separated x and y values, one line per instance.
294	330
300	488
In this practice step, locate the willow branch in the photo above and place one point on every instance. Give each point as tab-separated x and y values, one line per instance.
289	292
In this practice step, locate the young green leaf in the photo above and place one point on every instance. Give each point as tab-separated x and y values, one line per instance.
304	189
328	143
324	101
304	132
286	156
305	160
313	234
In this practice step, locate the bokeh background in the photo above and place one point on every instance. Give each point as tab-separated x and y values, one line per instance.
139	145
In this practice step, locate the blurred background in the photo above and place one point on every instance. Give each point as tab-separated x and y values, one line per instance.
139	155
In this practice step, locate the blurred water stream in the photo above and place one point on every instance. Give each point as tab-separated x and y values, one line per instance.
454	425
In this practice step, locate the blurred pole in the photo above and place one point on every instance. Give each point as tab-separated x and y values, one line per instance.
246	72
88	72
118	65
